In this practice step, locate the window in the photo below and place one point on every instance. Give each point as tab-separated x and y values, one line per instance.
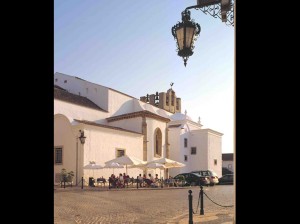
193	151
79	94
65	81
229	166
215	161
56	80
185	158
58	156
185	143
177	104
167	100
87	90
158	143
120	152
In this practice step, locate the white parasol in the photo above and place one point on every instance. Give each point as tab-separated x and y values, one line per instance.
113	165
126	160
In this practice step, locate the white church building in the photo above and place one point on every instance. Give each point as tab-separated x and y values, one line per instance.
117	124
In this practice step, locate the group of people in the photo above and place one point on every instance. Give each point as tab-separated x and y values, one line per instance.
119	181
122	180
148	182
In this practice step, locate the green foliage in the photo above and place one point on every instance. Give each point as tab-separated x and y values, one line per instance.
66	176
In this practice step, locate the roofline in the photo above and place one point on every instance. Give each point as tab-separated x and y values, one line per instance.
98	85
106	126
142	113
210	130
81	105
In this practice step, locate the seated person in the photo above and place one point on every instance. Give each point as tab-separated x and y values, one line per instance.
112	181
120	182
149	181
140	180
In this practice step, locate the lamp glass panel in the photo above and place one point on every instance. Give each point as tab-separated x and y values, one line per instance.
180	37
189	36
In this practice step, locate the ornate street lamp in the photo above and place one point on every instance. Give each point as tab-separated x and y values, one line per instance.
185	33
82	137
82	141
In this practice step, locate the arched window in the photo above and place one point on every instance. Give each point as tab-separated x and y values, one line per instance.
157	143
172	98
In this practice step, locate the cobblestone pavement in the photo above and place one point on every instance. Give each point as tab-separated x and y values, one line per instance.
73	205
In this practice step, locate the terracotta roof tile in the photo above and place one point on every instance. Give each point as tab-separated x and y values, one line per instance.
64	95
174	126
143	113
106	126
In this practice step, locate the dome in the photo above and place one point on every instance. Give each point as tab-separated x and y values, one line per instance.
179	116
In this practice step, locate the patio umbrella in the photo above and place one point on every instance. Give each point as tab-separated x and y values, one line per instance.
126	160
168	163
150	166
156	166
113	165
92	166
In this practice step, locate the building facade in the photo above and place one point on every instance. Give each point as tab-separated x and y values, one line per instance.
117	124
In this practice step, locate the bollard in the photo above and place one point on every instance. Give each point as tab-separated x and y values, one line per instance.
81	182
64	184
137	182
162	182
190	207
201	206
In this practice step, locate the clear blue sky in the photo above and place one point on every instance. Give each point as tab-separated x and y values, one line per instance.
128	46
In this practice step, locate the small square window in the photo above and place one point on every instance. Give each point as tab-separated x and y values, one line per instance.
193	151
58	156
120	152
56	80
215	161
185	158
65	81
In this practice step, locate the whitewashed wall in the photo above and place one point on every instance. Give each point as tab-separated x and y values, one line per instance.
132	124
97	93
176	144
64	137
119	103
73	111
152	124
215	152
101	144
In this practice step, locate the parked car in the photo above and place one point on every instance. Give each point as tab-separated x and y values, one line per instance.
193	179
226	171
226	179
213	177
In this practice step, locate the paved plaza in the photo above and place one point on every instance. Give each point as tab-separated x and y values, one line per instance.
167	205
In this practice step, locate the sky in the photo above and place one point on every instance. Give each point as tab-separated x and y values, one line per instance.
128	46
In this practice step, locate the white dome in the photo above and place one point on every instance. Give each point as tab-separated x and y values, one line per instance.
179	116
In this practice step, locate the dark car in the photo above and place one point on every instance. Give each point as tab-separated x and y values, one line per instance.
192	179
213	177
226	179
